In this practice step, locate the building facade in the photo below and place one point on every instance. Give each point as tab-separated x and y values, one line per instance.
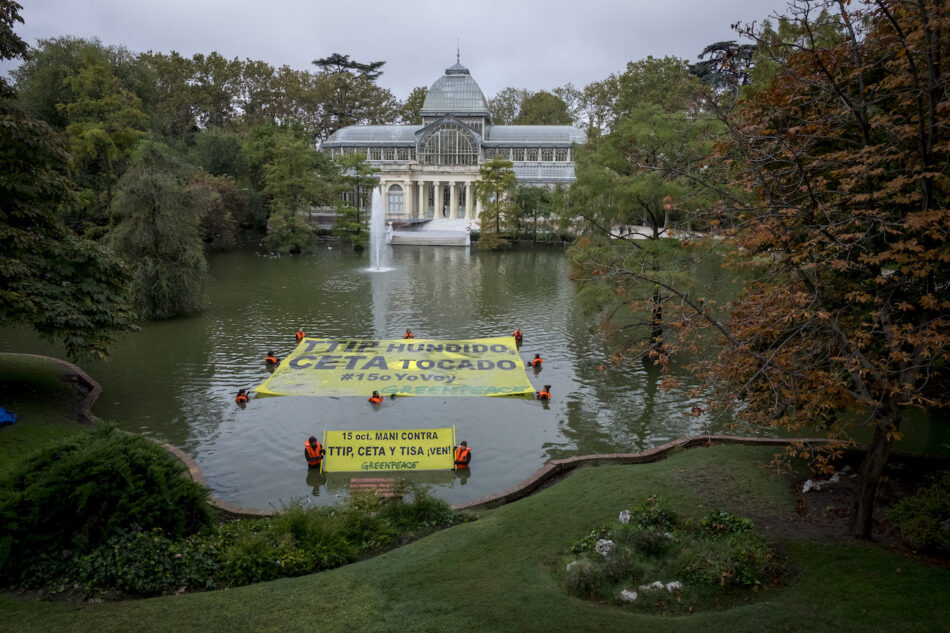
430	171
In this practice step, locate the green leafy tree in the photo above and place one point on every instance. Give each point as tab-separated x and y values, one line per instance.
217	83
225	209
356	178
349	94
409	113
41	79
67	289
634	186
543	108
105	125
157	235
506	105
496	180
534	206
174	114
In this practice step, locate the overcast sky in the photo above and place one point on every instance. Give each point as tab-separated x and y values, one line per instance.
534	44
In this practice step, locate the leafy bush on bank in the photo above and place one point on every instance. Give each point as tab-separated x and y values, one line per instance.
76	495
142	561
923	520
656	561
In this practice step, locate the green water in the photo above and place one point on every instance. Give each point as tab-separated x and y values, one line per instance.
176	380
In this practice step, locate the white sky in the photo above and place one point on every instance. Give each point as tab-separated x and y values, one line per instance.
534	44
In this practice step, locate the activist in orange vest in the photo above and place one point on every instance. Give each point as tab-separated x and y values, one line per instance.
545	393
409	334
518	336
241	397
314	452
463	455
271	359
375	398
300	335
536	361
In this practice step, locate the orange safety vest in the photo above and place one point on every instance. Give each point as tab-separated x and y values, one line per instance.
518	335
313	454
536	362
271	360
241	399
409	335
300	336
544	395
462	457
375	399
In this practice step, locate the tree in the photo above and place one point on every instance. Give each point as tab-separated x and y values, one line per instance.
105	123
225	209
533	205
410	112
67	289
846	154
859	256
355	180
543	108
349	94
342	64
157	235
496	179
506	105
633	187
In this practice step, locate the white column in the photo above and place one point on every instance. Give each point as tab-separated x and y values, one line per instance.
407	198
468	200
453	199
478	207
420	209
437	207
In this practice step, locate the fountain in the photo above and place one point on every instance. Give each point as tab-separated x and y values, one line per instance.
378	246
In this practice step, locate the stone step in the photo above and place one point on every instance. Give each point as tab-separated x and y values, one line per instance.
431	238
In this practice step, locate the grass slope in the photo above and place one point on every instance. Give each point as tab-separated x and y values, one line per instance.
44	402
499	573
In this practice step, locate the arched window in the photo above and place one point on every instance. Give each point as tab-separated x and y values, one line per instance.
448	144
395	199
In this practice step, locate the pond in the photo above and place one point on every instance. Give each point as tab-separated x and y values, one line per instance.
176	380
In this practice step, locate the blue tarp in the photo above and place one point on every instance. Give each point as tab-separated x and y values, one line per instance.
7	417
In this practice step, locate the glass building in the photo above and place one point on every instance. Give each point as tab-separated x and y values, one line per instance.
430	170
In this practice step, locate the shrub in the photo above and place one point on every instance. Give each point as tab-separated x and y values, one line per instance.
423	512
720	551
742	559
922	520
722	522
76	495
653	514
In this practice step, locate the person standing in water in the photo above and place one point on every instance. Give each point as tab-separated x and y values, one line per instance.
463	455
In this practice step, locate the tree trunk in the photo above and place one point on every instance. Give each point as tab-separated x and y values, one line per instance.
862	519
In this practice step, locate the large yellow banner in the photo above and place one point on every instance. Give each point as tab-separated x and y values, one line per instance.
369	451
406	367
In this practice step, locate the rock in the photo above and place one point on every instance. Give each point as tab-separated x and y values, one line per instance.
653	586
628	596
674	585
625	516
605	547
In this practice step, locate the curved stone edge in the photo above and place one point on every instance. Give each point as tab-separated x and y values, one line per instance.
225	510
95	389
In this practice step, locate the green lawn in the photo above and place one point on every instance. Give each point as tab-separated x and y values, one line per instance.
44	403
500	573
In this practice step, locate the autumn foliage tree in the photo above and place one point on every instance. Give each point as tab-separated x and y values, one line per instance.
846	156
